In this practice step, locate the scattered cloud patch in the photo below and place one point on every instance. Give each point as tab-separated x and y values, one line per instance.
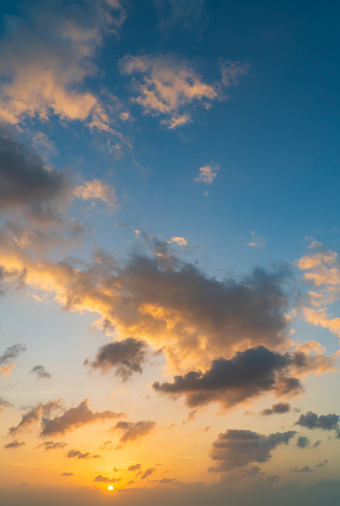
132	431
303	442
14	444
311	421
148	472
96	191
305	469
76	454
279	408
40	371
66	475
256	240
322	464
104	479
34	415
51	445
134	467
11	353
207	174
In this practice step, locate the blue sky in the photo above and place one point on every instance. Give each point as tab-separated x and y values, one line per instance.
169	230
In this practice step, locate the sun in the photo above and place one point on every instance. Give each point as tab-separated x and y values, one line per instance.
110	487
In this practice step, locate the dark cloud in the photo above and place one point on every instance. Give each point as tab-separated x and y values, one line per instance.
40	371
279	408
25	182
305	469
126	356
317	443
166	481
249	373
76	454
34	415
135	467
148	472
303	442
238	448
14	444
74	418
51	445
67	474
4	403
11	353
322	464
104	479
134	430
313	421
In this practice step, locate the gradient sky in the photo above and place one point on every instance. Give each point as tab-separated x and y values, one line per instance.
169	229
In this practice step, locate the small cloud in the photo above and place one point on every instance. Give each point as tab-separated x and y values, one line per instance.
14	444
256	240
104	479
305	469
317	443
134	467
179	240
40	371
5	371
96	191
324	422
76	454
11	353
133	431
50	445
207	174
147	473
303	442
322	464
66	475
279	408
4	404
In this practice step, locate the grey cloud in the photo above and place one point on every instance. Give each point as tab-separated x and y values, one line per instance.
14	444
104	479
66	475
11	353
51	445
74	418
238	448
76	454
11	279
34	415
303	442
40	371
322	464
305	469
248	374
147	473
4	403
126	357
313	421
317	443
135	467
26	183
133	430
279	408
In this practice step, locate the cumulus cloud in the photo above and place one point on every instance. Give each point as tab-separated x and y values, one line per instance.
303	442
96	190
40	371
126	357
168	88
47	54
247	374
132	431
279	408
14	444
33	416
11	353
207	174
74	418
311	421
238	448
76	454
104	479
26	182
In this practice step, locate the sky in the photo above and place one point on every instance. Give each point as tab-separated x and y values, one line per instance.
169	238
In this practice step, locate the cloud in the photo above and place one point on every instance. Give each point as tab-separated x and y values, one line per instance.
46	57
96	191
322	464
4	371
126	356
51	445
305	469
311	421
238	448
11	279
33	416
181	241
168	88
4	404
74	418
147	473
256	240
134	467
26	183
303	442
11	353
132	431
40	371
76	454
279	408
66	475
207	174
14	444
104	479
247	374
179	14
